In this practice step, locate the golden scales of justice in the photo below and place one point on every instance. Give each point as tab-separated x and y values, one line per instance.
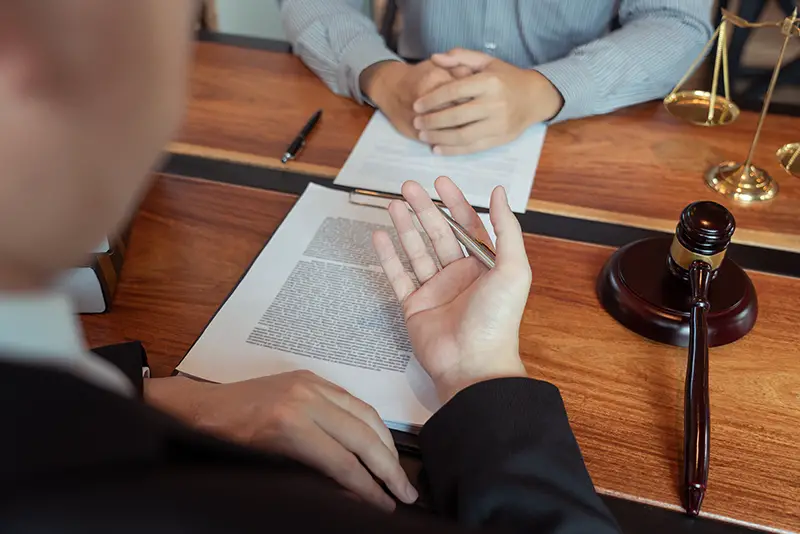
740	181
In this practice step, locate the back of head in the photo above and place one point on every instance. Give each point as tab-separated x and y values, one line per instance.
90	92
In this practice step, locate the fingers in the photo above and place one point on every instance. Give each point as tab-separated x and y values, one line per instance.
401	283
472	59
459	277
360	439
510	245
454	116
461	72
444	242
460	137
470	87
460	209
316	448
421	262
361	410
435	77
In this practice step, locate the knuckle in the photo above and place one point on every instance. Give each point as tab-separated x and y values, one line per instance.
425	80
285	418
304	374
350	467
371	412
301	391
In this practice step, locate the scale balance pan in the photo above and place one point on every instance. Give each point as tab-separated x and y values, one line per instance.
692	106
789	156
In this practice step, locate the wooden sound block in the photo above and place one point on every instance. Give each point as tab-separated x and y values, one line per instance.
638	290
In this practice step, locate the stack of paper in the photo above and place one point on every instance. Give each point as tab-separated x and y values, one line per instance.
316	298
383	159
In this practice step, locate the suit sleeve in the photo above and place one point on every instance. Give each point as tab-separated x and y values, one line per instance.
502	454
130	358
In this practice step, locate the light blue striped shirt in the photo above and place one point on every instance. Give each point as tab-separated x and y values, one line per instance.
568	41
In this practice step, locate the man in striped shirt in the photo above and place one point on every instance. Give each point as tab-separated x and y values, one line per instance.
488	69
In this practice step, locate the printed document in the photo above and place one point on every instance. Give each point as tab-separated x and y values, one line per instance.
383	159
316	298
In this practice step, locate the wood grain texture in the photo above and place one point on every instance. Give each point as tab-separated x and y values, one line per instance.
256	102
192	240
637	166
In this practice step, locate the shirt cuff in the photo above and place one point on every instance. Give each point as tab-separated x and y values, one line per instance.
364	52
575	83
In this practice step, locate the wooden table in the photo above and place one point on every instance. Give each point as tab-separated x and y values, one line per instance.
192	240
637	167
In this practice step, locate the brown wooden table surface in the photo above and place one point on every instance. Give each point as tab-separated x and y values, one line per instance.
637	167
192	240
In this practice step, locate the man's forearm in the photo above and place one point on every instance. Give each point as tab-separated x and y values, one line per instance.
335	40
658	41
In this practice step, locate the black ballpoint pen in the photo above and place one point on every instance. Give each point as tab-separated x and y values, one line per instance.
300	140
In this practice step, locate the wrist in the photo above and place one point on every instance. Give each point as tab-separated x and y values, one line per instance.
448	387
548	100
179	396
378	80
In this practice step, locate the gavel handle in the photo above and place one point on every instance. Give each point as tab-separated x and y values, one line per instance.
696	416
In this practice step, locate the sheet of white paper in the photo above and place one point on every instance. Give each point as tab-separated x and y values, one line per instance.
317	299
383	159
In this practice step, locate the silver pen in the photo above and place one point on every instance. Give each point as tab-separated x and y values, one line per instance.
474	246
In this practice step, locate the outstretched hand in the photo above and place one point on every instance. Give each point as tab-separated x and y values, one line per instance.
463	320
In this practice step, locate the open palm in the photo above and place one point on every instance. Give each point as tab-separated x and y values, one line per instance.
463	320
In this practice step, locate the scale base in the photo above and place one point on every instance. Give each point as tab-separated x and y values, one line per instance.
638	290
789	156
742	184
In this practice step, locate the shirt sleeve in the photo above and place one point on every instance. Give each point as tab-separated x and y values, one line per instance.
335	40
656	44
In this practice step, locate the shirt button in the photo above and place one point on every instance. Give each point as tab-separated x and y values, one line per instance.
490	46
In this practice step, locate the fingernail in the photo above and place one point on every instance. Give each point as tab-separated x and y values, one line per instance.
423	136
437	151
411	493
418	123
418	106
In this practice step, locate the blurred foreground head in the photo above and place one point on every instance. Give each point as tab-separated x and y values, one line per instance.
90	93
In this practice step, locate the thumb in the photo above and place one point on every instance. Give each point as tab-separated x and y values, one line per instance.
476	61
460	72
510	245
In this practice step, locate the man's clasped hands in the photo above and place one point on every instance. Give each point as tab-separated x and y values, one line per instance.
461	101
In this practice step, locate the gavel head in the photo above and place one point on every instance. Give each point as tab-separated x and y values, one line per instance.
703	234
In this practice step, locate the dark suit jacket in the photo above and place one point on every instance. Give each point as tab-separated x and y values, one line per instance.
76	458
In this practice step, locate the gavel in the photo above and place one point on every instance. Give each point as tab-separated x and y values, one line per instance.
682	290
697	251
